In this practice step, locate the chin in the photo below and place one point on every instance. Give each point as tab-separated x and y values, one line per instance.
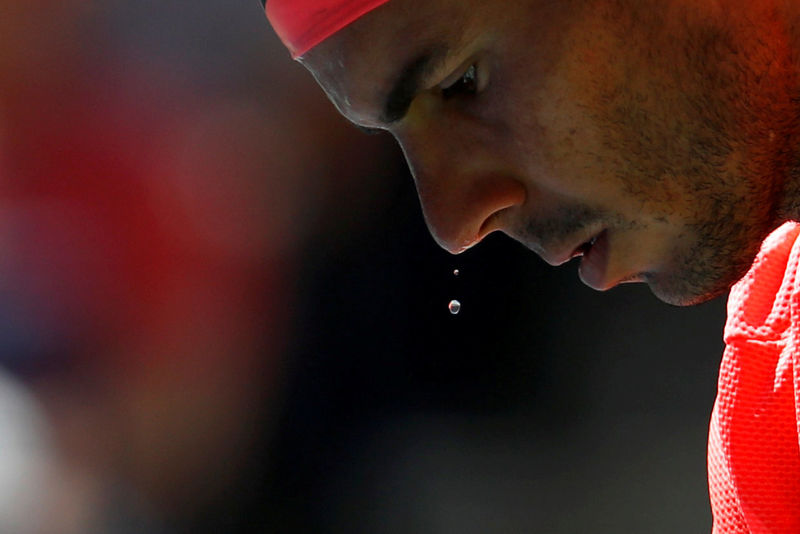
686	290
701	272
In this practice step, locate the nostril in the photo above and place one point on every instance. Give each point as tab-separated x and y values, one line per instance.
459	218
460	243
491	224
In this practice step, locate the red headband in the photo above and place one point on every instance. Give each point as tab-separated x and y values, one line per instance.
303	24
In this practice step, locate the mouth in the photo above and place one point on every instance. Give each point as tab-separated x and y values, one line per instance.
594	261
558	255
584	248
595	269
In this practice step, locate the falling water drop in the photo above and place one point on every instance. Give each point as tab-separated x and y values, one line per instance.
454	307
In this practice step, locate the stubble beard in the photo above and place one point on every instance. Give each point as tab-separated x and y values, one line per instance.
707	267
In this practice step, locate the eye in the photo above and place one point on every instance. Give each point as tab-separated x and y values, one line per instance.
467	84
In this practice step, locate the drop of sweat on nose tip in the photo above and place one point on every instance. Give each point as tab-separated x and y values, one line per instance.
454	307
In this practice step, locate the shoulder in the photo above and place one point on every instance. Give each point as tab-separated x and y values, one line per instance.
761	304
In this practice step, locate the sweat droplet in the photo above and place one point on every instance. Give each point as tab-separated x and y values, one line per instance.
454	307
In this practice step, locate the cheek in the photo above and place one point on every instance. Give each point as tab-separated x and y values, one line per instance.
561	139
589	132
606	138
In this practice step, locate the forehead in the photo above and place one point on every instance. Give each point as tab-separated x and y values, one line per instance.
357	66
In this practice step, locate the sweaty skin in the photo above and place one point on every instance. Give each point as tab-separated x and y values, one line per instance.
655	139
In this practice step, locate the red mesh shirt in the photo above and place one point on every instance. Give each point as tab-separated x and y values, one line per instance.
753	455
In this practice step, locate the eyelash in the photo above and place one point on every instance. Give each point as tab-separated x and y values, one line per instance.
467	84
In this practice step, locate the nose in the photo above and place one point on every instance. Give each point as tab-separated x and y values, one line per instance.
463	187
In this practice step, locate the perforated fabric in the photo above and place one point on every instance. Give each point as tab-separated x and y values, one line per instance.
753	451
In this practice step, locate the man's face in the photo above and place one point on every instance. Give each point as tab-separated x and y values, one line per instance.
642	136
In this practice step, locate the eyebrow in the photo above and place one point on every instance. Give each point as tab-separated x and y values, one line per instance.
409	83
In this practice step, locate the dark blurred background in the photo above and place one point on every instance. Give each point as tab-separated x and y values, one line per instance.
221	311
